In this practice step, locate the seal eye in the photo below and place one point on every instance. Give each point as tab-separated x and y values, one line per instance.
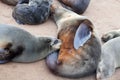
48	40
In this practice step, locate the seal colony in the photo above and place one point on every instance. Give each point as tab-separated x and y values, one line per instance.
80	50
19	45
111	51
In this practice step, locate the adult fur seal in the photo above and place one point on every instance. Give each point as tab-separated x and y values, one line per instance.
19	45
110	35
110	58
78	6
31	11
10	2
80	50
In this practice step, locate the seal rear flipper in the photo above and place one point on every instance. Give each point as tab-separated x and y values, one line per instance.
82	34
51	60
9	52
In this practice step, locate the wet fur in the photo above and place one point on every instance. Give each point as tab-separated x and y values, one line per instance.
19	45
72	63
31	11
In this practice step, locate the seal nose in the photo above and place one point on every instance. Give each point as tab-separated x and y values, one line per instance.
56	41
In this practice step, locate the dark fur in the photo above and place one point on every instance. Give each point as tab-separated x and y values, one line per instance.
32	12
78	6
20	46
10	2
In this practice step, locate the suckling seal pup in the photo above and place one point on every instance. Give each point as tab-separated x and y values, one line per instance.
10	2
80	50
31	11
110	35
78	6
19	45
110	59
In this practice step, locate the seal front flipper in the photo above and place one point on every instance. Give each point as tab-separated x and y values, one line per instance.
8	51
4	53
82	34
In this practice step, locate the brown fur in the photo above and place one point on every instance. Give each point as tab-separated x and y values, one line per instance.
67	36
69	61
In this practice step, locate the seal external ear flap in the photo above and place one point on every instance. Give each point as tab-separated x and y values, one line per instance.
82	34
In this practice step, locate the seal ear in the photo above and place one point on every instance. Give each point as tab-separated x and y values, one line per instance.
83	33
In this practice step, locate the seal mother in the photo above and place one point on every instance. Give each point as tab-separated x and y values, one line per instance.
19	45
80	50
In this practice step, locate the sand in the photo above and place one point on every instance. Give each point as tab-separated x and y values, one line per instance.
105	15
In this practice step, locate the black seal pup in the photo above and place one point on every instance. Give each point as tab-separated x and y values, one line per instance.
31	11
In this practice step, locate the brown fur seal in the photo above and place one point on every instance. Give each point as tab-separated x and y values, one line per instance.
31	11
80	50
78	6
110	56
10	2
19	45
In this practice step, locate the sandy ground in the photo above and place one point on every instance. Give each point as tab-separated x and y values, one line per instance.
105	15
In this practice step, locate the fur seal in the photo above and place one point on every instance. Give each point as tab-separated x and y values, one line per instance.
31	11
19	45
110	35
78	6
110	58
80	49
10	2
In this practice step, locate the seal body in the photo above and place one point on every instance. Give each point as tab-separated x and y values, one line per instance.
20	46
10	2
31	11
74	60
78	6
110	59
